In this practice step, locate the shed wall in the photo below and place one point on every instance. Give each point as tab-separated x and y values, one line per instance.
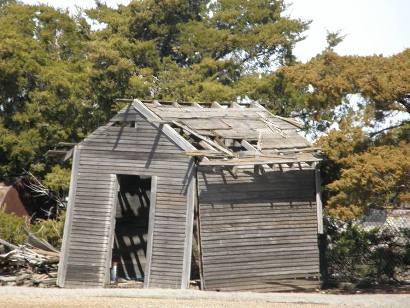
140	150
258	232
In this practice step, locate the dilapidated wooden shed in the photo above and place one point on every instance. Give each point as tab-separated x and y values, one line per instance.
244	177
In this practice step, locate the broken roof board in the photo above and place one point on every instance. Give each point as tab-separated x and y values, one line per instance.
217	127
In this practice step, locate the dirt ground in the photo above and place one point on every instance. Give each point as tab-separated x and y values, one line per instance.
54	297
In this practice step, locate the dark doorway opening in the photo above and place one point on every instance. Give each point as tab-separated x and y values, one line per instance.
131	227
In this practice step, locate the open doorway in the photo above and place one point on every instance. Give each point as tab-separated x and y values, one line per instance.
131	229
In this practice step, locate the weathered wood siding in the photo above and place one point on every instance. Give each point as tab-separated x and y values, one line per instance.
258	232
141	150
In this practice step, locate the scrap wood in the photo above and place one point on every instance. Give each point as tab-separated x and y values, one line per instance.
36	242
28	265
5	243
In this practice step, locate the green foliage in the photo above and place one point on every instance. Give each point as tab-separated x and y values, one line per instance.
59	81
328	79
12	228
50	230
378	254
43	84
190	50
333	39
360	172
15	229
376	177
58	179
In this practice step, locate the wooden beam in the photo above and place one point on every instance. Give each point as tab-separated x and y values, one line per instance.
204	153
274	128
290	121
250	147
166	128
150	237
207	146
111	229
319	205
207	140
197	105
199	238
189	226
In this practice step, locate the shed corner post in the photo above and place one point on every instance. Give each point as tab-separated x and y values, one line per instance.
62	266
189	230
150	237
113	190
319	205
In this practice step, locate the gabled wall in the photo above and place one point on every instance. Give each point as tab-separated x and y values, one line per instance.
140	150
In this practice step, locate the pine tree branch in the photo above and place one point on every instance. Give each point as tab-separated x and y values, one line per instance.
388	128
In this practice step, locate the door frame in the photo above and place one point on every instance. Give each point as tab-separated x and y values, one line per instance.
151	217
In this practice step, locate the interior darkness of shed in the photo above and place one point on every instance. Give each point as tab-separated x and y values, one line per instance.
131	226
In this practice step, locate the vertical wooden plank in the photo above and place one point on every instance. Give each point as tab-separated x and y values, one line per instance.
151	220
186	271
199	240
62	267
319	206
113	192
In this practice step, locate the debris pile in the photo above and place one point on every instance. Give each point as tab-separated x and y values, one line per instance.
32	264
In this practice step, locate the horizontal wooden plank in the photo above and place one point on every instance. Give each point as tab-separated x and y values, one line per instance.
266	273
254	256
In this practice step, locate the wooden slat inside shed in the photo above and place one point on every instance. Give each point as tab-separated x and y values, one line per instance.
258	232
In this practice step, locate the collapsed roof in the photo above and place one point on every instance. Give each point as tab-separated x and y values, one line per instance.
228	134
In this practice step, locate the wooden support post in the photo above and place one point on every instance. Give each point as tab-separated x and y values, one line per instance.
108	258
198	211
319	206
189	225
150	237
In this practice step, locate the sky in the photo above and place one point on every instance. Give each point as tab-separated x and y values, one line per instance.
371	26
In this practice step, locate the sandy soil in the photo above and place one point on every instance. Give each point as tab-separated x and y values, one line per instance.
54	297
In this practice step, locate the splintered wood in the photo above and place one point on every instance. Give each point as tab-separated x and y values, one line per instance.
28	265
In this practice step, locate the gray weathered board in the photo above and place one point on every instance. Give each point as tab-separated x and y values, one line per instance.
88	239
258	232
